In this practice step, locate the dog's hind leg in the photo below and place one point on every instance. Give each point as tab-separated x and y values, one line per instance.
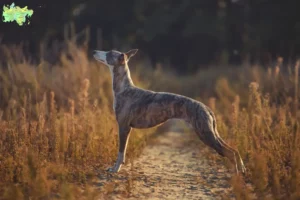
237	156
206	129
124	132
213	140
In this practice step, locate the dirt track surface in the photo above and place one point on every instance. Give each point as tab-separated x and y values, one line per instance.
172	167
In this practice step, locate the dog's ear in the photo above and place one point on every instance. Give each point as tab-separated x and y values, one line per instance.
131	53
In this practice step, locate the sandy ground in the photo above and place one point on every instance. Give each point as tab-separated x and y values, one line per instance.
171	167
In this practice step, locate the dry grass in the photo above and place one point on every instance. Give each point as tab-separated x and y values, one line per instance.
258	112
57	125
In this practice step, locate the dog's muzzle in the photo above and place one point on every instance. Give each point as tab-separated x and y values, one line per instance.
100	56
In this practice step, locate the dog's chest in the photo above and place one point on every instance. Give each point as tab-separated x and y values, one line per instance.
121	104
117	104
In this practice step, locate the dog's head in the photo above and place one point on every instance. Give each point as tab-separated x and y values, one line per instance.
114	58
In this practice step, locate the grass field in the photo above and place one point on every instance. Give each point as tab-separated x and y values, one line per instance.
57	127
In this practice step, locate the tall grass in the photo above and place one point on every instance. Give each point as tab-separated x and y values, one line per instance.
257	111
56	125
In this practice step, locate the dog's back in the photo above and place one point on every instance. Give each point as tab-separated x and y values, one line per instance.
145	108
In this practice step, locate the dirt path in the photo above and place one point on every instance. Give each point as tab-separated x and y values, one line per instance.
172	167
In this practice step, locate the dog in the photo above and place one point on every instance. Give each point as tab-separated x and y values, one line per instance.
139	108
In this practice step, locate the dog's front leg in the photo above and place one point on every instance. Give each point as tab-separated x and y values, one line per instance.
124	132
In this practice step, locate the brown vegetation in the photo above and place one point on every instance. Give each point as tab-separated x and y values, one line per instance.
257	111
57	125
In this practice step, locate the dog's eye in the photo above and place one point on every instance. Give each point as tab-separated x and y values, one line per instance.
121	58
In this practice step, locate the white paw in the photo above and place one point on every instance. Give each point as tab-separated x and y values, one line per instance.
114	169
242	167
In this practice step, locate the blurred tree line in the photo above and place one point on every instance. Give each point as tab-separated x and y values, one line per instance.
187	34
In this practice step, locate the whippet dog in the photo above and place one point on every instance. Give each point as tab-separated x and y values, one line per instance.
139	108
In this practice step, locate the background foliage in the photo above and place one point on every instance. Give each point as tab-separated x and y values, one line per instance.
180	32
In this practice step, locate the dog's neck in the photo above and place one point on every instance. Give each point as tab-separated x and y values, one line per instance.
121	79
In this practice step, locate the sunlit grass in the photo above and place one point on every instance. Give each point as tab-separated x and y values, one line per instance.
58	129
257	111
57	126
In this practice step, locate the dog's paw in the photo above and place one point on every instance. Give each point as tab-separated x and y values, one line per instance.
243	169
113	169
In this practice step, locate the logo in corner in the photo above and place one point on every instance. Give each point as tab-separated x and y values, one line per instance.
12	13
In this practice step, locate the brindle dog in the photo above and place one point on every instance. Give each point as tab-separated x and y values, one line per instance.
138	108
